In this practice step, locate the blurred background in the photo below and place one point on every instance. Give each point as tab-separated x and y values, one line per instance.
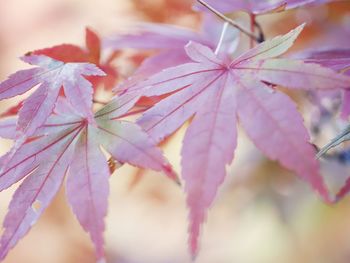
262	214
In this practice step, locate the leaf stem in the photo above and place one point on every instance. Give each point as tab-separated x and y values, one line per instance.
261	36
222	36
230	21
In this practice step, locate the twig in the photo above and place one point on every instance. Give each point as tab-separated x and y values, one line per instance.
230	21
261	37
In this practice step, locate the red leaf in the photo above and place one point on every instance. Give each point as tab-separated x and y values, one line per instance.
65	53
93	44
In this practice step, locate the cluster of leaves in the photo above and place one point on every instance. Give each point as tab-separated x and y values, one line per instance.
192	76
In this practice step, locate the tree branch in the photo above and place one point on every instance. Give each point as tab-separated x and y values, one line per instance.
258	39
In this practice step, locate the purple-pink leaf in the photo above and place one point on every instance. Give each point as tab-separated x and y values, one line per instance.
336	59
209	88
33	196
257	6
51	75
36	110
19	83
88	188
169	37
273	123
8	128
128	143
209	144
153	36
294	74
168	115
69	141
273	48
170	41
31	154
117	107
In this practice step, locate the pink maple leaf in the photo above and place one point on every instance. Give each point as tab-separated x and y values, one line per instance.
169	41
217	92
8	128
68	53
257	7
51	75
339	60
69	141
336	59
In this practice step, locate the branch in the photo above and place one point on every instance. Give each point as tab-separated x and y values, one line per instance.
261	37
258	39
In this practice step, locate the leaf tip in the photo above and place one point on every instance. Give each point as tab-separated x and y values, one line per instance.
193	247
343	191
296	31
194	257
189	44
169	171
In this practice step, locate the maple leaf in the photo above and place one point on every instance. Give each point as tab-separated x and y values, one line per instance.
344	136
68	53
257	7
51	75
8	128
170	40
70	142
339	60
218	91
336	59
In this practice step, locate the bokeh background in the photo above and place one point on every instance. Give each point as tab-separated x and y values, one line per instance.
262	214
